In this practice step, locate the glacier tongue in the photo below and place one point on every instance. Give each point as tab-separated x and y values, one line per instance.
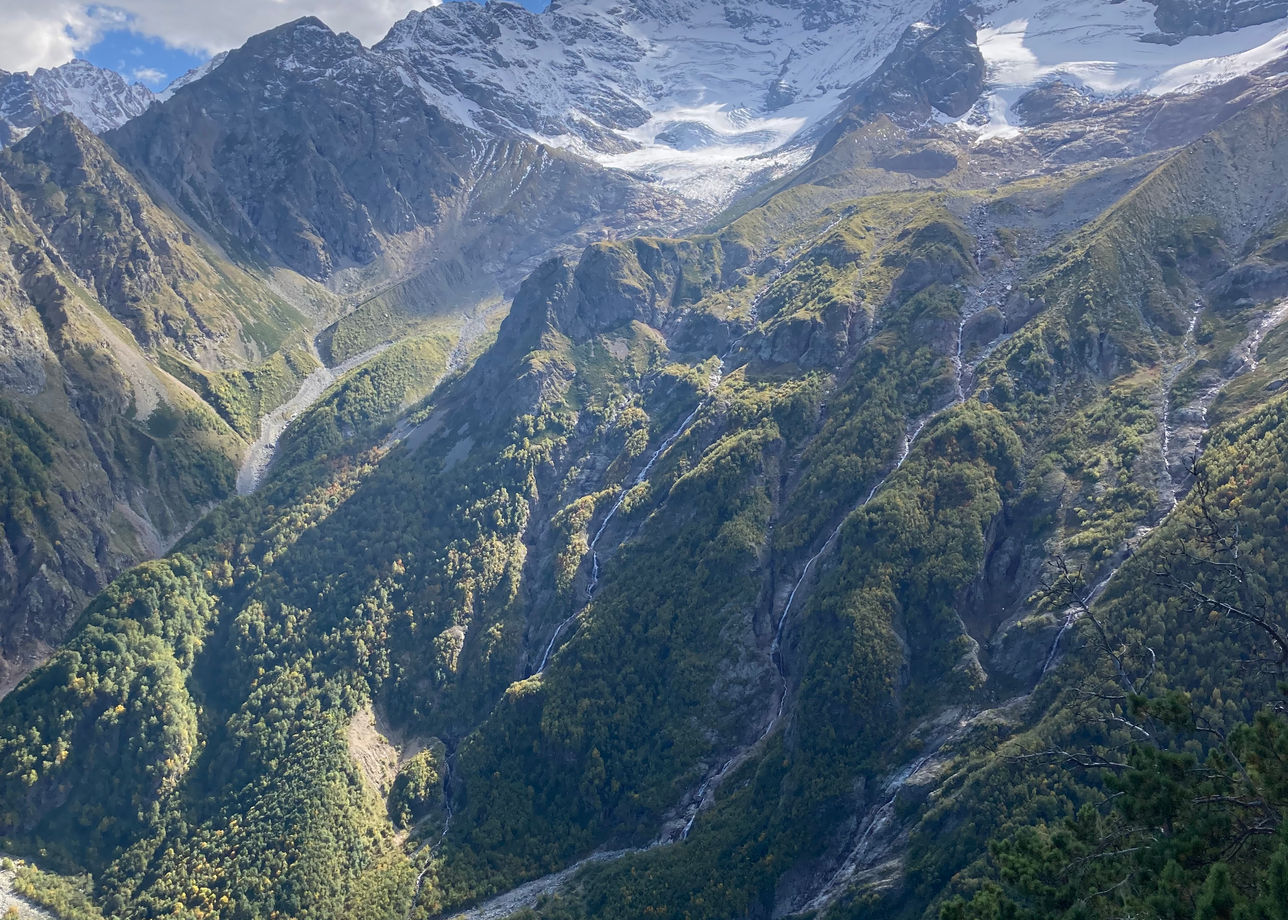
694	94
705	95
1105	50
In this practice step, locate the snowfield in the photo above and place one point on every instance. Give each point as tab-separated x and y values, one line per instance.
1104	50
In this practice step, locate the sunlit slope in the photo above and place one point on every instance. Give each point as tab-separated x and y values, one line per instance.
718	566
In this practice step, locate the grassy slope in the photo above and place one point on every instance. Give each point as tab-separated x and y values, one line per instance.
429	578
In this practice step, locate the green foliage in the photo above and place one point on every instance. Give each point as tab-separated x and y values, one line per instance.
1185	818
244	397
93	742
417	788
291	835
368	399
68	898
635	642
26	453
1111	479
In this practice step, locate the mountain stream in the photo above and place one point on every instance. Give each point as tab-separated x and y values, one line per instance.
1175	461
875	830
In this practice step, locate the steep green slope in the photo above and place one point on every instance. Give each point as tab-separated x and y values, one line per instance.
111	315
719	571
1080	384
145	267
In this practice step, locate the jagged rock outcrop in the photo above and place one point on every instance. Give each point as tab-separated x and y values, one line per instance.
644	280
102	99
1211	17
933	70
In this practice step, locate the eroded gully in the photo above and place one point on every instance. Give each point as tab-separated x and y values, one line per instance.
260	455
879	818
1180	447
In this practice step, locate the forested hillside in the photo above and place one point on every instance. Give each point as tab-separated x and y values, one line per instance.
728	561
173	301
903	542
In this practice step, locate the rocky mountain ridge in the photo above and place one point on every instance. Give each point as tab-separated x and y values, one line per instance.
714	579
1194	17
708	98
101	99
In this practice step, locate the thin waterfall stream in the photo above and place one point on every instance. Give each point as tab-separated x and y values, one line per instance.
526	895
962	371
449	758
1169	493
881	817
713	780
592	586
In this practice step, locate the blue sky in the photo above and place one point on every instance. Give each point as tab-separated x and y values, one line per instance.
140	58
155	41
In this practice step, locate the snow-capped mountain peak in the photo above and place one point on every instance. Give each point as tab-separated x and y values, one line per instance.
702	95
193	76
100	98
695	92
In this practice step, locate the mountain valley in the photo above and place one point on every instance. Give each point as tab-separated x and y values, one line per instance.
721	459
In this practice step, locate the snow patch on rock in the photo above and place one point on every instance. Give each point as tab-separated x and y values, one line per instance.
1106	50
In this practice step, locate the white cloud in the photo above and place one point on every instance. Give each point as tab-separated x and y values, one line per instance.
31	39
56	30
149	75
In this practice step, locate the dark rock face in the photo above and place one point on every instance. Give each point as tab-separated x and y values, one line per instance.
780	94
305	149
20	106
931	161
1211	17
932	70
644	280
302	147
949	68
813	341
941	69
1051	103
984	327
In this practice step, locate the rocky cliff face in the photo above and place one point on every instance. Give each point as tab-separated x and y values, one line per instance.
1211	17
349	151
306	149
140	262
933	71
